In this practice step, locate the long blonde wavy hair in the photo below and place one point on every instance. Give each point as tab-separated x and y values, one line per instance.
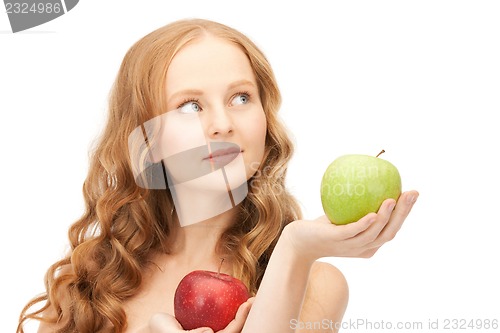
124	224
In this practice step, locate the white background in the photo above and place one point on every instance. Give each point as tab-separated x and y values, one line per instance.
420	79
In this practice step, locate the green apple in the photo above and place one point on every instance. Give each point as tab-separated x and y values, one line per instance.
355	185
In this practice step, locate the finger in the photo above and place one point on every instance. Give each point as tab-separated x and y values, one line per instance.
200	330
165	323
403	208
236	325
369	253
251	300
243	310
383	216
384	213
351	230
366	239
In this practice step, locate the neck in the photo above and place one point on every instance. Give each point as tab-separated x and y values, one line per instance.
202	199
203	215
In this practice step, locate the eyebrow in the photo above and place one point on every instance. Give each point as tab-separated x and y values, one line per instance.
196	92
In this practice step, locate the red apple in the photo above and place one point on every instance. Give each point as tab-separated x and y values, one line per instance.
208	299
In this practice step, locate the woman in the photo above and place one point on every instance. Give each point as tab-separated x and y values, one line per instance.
185	88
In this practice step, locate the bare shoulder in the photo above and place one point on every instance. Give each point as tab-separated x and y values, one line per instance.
327	276
326	298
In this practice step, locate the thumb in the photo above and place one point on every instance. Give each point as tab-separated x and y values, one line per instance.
200	330
165	323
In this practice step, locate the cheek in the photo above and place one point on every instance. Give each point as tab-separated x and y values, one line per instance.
261	133
255	132
178	135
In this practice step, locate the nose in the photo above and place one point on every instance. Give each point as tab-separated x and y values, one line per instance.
220	124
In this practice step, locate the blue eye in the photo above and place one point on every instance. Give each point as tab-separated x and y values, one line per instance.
189	107
240	98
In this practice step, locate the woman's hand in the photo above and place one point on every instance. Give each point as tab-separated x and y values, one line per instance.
165	323
320	238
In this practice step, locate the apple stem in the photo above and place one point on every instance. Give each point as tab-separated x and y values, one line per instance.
381	152
220	267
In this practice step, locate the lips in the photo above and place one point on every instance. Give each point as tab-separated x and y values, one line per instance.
223	152
222	156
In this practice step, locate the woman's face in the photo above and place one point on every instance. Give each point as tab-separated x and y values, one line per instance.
215	118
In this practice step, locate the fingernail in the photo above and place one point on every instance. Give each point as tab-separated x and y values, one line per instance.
391	207
412	198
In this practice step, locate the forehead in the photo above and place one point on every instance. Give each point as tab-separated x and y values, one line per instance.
209	62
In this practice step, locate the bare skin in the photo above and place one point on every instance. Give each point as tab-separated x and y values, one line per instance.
295	285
